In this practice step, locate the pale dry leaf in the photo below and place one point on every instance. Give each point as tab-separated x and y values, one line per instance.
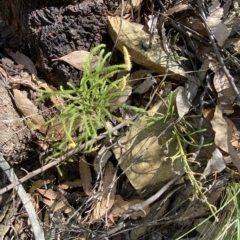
177	8
216	164
226	7
235	26
3	230
137	76
139	213
234	42
203	70
136	4
38	184
78	59
47	202
146	84
101	159
152	24
18	227
49	193
219	30
27	108
130	37
125	8
208	114
108	191
63	206
192	86
234	133
121	98
56	100
225	92
85	174
223	136
182	103
109	127
120	206
67	184
3	72
21	58
36	207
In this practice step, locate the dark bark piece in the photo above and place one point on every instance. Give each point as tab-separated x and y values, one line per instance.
44	30
14	134
51	29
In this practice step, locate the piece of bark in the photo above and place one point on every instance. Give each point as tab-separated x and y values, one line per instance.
46	30
14	135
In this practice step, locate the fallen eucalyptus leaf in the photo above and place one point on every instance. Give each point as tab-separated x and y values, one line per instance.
132	37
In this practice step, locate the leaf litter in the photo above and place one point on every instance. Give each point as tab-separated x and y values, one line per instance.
119	179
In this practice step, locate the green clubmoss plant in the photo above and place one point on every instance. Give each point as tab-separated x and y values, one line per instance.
88	106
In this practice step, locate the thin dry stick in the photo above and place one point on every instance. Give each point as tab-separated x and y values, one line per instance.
139	207
26	201
62	158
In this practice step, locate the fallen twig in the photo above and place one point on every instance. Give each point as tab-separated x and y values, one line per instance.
139	207
26	201
62	158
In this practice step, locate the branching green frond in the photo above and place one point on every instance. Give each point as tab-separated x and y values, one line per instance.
88	105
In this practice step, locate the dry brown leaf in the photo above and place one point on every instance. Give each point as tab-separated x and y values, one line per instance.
60	205
78	59
56	100
38	184
63	206
28	109
176	8
34	82
49	193
108	191
19	227
223	136
120	206
85	174
47	202
20	58
68	184
208	114
131	37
